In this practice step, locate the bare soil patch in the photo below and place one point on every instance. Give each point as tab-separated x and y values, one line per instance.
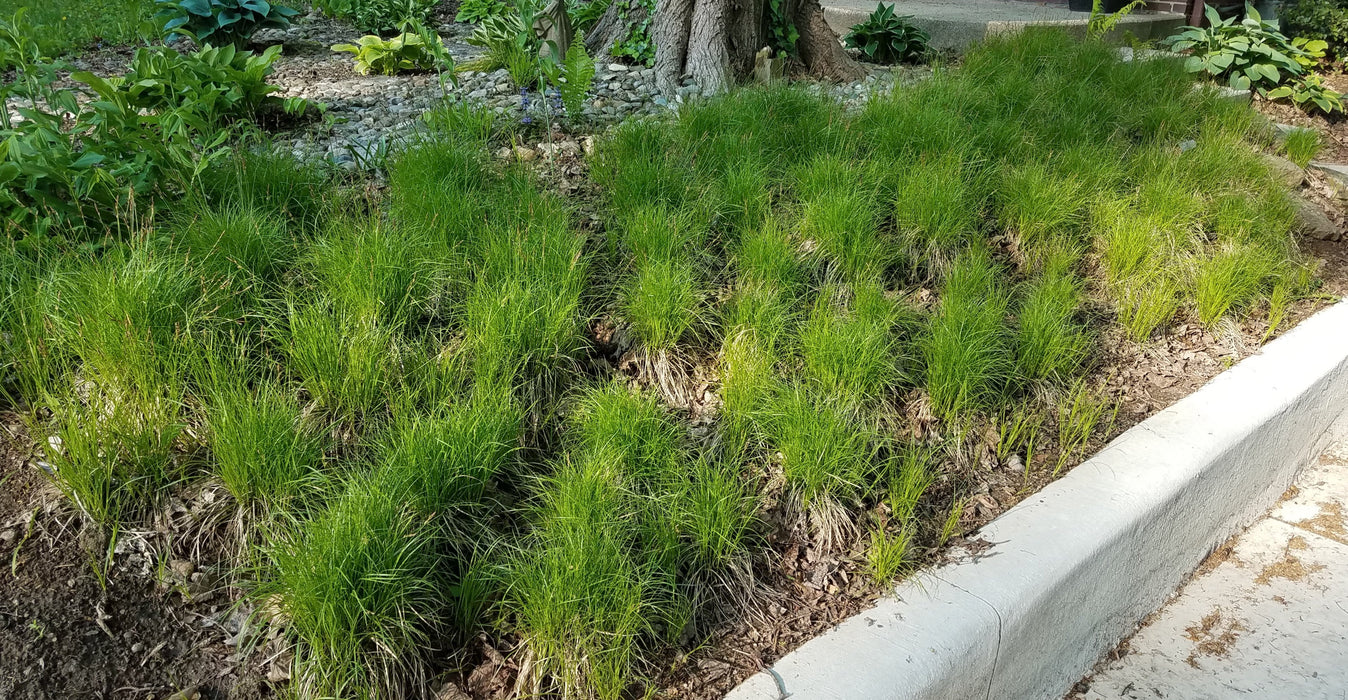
67	633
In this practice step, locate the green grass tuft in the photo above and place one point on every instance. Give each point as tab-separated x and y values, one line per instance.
1230	279
851	348
825	451
936	209
1051	343
841	225
661	303
966	350
362	587
345	363
1302	145
265	450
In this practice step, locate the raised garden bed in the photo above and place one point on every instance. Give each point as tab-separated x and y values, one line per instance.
638	421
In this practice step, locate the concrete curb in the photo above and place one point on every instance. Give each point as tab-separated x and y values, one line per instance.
1075	567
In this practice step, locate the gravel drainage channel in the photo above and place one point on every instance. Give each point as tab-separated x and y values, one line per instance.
1070	571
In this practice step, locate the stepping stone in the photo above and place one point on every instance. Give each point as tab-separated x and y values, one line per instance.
1335	171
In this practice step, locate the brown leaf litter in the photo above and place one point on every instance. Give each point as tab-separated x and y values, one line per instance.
1213	636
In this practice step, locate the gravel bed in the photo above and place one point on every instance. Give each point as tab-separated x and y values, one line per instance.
367	113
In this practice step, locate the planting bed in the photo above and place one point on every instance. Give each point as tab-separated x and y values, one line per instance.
368	115
1333	128
640	421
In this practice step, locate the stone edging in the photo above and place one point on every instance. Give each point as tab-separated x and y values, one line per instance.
1074	568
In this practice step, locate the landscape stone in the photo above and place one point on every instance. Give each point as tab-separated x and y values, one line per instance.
1285	170
1315	223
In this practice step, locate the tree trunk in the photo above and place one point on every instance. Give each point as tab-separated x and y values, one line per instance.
612	27
747	37
669	30
708	59
714	42
819	47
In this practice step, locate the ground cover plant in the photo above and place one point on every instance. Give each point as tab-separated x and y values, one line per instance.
588	431
72	24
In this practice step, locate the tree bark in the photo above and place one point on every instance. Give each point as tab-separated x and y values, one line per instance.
669	30
708	59
748	33
715	41
819	48
612	27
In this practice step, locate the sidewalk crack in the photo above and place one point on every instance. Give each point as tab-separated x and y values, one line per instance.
997	654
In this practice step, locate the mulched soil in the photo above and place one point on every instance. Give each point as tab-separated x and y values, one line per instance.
64	633
1334	128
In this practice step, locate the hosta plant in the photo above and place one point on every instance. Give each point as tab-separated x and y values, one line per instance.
220	22
886	38
1247	53
410	50
214	84
474	11
1310	93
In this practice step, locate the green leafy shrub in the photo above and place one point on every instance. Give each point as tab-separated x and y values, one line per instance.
145	133
407	51
474	11
1310	93
1248	53
1326	20
214	84
584	14
510	44
886	38
638	44
782	32
220	22
378	16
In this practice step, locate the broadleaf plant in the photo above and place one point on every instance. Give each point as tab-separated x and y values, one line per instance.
1310	93
410	50
887	38
1247	53
221	22
474	11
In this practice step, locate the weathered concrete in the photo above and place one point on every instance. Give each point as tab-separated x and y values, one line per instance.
1267	621
955	24
1073	568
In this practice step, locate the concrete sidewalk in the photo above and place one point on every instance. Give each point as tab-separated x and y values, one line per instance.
955	24
1265	617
